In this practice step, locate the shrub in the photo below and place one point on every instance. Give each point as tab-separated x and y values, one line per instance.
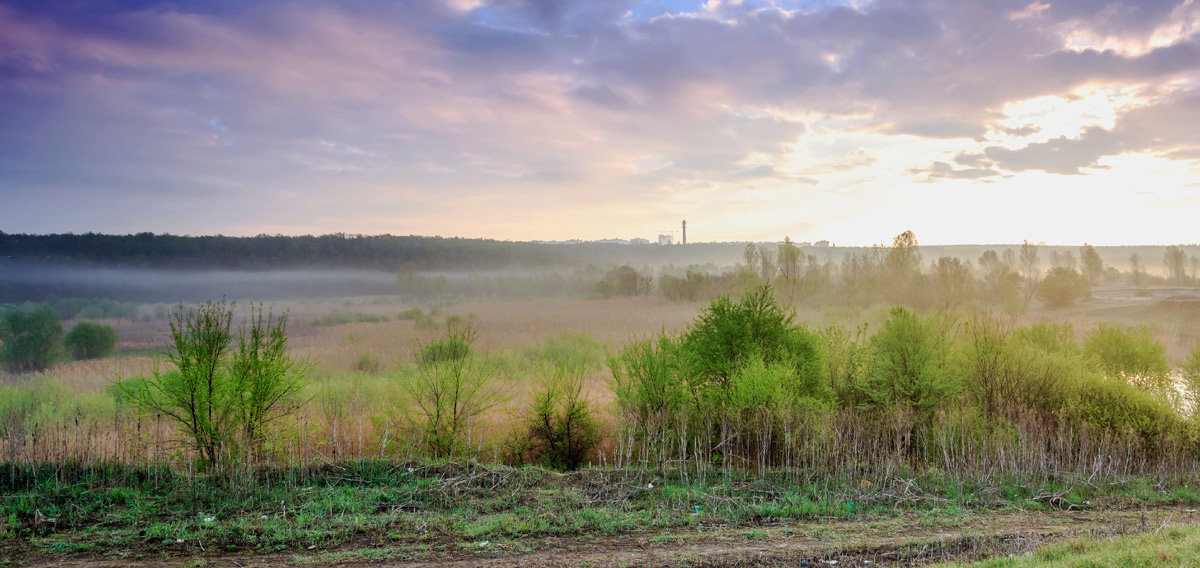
646	379
449	389
729	334
911	367
1130	353
1061	287
90	340
220	396
29	339
560	426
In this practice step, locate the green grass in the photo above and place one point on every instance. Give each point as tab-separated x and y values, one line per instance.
406	507
1173	546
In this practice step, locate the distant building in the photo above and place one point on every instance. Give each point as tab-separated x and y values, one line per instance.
638	241
664	239
804	244
821	244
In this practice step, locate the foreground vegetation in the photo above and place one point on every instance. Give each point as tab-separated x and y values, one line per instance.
414	510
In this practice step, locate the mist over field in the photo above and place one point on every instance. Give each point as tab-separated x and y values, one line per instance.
23	282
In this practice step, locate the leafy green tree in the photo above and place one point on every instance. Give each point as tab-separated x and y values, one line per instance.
729	334
197	394
91	340
1061	287
29	339
911	367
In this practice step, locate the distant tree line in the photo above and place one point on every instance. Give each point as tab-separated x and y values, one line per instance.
1008	281
337	250
385	252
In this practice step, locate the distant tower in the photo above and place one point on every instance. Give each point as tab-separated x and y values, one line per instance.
685	231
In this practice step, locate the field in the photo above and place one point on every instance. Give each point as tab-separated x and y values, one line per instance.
354	488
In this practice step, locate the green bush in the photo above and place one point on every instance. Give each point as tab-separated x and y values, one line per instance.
728	335
1132	354
220	396
646	379
560	425
29	339
911	365
449	390
90	340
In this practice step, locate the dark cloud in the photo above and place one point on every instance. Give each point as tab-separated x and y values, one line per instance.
1061	155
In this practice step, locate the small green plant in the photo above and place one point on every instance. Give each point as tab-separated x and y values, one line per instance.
29	339
91	340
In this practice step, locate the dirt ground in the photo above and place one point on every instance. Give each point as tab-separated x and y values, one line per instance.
907	540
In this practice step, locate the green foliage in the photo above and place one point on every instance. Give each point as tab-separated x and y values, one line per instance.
728	335
1050	338
448	391
560	428
1116	406
29	339
221	398
266	379
646	379
454	346
90	340
1061	287
1190	374
1029	369
911	365
1131	354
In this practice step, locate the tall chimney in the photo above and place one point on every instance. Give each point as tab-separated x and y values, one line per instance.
685	231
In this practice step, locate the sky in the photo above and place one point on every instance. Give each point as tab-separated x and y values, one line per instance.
965	121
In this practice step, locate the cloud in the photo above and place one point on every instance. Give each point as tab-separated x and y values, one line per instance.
938	171
419	108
